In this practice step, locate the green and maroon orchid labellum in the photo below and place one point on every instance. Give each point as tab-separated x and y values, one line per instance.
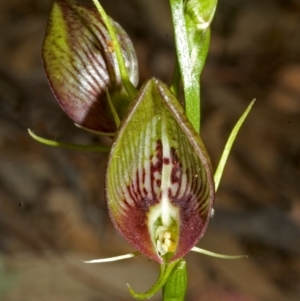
159	182
81	65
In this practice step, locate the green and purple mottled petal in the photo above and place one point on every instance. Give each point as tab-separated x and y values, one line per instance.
159	184
80	64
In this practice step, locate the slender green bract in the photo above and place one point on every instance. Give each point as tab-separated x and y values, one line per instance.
122	64
229	143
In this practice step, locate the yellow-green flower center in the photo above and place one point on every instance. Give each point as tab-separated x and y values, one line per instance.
166	240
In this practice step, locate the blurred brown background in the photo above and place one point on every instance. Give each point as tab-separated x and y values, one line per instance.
52	207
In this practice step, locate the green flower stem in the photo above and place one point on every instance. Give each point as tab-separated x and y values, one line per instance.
89	148
113	109
190	81
130	89
165	272
175	287
95	132
228	146
176	80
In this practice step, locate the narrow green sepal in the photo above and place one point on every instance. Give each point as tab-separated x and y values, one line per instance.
78	147
228	146
165	271
175	287
112	259
217	255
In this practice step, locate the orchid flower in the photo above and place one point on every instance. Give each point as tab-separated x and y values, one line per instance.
159	185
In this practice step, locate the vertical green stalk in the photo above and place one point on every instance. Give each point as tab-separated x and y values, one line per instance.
191	21
175	287
163	280
176	80
191	84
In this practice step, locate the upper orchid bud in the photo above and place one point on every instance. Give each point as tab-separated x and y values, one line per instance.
159	184
201	12
82	68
